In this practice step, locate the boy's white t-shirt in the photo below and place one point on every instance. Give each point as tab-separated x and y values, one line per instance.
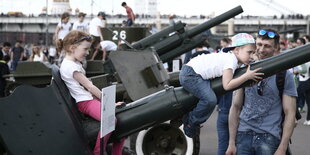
212	65
64	29
108	45
80	26
77	91
94	23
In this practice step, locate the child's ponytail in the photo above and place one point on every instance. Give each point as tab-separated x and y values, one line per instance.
59	45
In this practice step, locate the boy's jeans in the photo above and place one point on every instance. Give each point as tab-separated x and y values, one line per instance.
193	83
250	142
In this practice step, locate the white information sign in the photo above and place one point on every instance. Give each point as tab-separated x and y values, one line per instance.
175	65
107	110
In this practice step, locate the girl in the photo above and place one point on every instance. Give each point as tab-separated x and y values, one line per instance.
37	55
76	45
196	74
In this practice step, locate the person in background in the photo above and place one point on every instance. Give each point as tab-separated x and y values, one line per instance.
87	96
80	24
223	105
107	47
17	54
95	26
4	69
62	29
37	54
5	50
130	15
303	86
225	42
282	46
307	38
52	54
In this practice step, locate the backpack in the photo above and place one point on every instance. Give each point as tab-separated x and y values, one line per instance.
280	81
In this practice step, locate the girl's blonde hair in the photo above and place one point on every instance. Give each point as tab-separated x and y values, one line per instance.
35	46
74	37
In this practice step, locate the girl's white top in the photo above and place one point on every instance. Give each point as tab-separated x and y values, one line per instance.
77	91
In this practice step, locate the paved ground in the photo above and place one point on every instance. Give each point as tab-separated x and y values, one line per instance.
208	137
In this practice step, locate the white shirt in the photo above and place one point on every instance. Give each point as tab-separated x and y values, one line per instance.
77	91
4	53
52	52
108	45
305	76
94	23
212	65
39	58
80	26
64	30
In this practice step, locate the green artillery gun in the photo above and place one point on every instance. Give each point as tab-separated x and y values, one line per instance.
144	79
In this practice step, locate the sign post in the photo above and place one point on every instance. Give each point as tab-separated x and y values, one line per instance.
107	124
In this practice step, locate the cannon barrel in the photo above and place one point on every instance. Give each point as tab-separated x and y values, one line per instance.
148	41
174	102
181	39
169	45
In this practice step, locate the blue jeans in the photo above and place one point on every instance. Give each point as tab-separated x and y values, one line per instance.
129	22
14	64
222	133
224	104
195	84
249	143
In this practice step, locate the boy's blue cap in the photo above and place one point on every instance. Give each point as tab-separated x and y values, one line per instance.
240	39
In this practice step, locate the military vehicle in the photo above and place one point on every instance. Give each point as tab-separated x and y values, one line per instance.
24	128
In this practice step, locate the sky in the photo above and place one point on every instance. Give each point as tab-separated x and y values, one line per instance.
178	7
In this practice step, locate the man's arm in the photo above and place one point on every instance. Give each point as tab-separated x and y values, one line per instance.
289	108
133	16
100	34
234	120
22	54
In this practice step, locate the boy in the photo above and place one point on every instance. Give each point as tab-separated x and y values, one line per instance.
196	74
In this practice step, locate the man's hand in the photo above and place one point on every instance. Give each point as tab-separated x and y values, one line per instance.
231	150
280	152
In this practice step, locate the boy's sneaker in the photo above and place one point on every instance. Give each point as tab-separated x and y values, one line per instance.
190	129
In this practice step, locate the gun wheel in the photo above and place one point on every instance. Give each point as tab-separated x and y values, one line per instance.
165	139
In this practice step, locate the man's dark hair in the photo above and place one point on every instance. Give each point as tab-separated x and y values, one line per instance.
266	37
19	41
226	40
6	44
282	43
302	40
124	4
307	37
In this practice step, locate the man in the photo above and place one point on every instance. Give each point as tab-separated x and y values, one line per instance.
107	47
16	54
260	122
223	105
5	50
130	15
95	26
